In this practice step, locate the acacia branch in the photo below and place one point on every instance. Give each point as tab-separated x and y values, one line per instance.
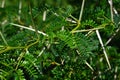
31	29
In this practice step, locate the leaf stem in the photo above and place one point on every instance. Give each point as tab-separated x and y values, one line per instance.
10	48
3	38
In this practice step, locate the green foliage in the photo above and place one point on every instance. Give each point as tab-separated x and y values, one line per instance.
34	48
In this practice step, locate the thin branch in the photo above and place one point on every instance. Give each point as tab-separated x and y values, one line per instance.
86	62
89	65
70	20
44	15
110	39
28	28
115	75
104	51
75	19
111	9
80	17
41	52
86	30
81	12
90	32
115	11
20	7
3	3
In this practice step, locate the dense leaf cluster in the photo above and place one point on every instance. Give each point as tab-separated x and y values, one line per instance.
44	40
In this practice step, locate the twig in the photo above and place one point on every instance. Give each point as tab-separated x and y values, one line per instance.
44	15
104	51
109	40
86	62
86	30
19	11
41	52
28	28
70	20
115	11
90	32
3	3
75	19
111	9
81	12
89	65
80	16
116	70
